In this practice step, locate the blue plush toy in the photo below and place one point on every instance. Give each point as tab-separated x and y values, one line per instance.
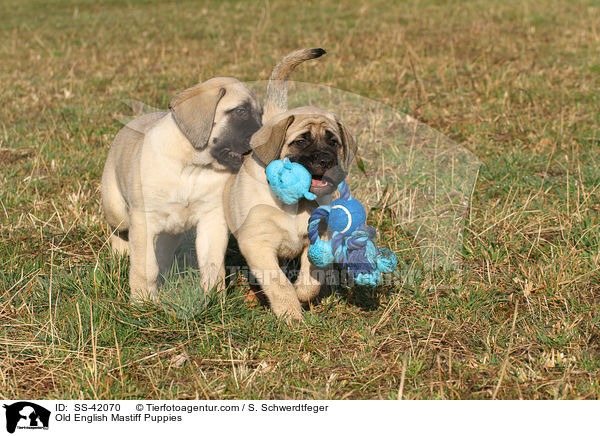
352	243
289	181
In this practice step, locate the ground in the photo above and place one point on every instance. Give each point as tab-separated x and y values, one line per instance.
514	82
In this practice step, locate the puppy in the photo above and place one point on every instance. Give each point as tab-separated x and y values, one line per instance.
267	229
165	173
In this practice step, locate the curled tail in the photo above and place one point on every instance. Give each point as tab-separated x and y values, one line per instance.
276	100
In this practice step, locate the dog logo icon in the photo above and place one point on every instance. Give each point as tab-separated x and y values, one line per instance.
26	415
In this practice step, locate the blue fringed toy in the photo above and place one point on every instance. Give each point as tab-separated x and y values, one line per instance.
289	181
351	244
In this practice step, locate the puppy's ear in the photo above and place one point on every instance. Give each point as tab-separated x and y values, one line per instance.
348	145
194	112
268	142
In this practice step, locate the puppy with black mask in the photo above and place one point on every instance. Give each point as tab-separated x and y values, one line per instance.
267	229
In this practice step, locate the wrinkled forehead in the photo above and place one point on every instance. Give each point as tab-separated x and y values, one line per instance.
317	124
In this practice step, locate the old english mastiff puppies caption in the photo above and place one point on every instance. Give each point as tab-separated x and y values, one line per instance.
266	228
166	171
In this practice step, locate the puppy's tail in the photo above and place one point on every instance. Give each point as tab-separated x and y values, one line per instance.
276	100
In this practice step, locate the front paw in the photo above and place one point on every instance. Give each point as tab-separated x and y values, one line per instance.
307	292
290	313
140	296
213	278
141	290
208	286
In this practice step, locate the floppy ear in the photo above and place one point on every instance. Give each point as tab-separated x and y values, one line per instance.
194	112
267	143
348	145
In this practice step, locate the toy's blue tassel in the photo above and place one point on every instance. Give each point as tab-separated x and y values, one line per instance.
386	260
368	279
319	254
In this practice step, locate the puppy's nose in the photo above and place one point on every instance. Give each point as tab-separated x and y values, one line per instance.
326	162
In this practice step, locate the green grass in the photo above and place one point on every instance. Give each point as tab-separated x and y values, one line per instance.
516	83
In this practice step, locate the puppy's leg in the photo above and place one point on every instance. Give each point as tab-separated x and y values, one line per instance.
115	209
310	278
119	243
260	252
143	270
263	264
211	242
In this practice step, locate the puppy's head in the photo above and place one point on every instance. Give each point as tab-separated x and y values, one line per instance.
220	116
312	137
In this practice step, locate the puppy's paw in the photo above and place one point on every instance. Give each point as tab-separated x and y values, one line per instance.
307	292
209	287
119	245
213	279
292	319
141	296
289	313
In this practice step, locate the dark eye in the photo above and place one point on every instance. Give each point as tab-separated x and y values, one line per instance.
299	142
333	142
240	110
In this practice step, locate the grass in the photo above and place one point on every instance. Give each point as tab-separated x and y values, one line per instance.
515	82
